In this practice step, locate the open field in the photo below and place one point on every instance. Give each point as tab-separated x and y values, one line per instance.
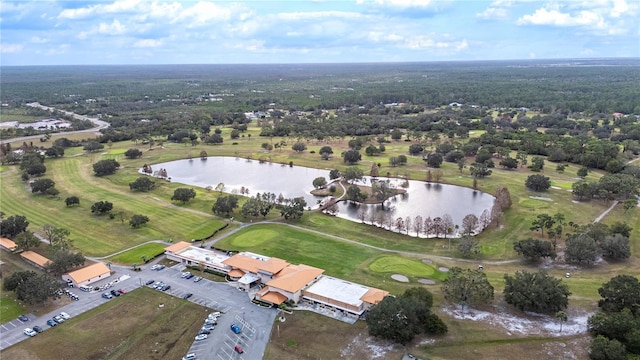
133	326
139	254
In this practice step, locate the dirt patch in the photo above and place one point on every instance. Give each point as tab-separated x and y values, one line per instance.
400	278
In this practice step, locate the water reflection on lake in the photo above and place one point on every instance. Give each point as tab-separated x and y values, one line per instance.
426	200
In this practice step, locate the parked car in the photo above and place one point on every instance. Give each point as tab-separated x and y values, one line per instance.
158	285
38	329
23	318
51	322
203	331
187	295
115	293
197	279
210	322
29	332
235	328
65	315
59	319
122	291
185	274
238	349
154	267
107	295
214	315
201	337
165	287
150	282
160	267
189	356
189	276
208	327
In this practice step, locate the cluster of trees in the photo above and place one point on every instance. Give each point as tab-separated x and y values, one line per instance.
589	242
260	204
616	327
536	292
401	318
32	287
623	186
105	167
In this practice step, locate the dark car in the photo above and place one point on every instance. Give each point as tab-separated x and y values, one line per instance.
150	282
114	293
166	287
204	331
38	329
189	276
51	322
23	318
187	295
235	328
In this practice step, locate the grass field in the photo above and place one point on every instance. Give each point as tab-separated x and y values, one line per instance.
9	309
132	326
138	254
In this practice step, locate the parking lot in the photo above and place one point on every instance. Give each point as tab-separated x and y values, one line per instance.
255	322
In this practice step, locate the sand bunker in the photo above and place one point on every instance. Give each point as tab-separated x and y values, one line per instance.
400	278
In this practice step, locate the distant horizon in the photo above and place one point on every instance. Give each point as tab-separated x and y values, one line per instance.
180	32
345	63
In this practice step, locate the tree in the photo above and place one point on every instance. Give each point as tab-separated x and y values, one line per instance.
509	163
537	292
534	249
603	348
583	172
292	208
621	228
27	240
469	224
143	183
299	147
353	174
537	164
334	174
375	170
101	207
183	195
93	146
371	150
326	152
468	246
64	260
622	291
416	149
622	326
538	182
402	160
467	287
13	225
562	317
351	156
225	205
72	201
138	220
57	237
31	287
41	186
581	250
479	170
54	152
319	182
615	247
133	153
105	167
203	155
355	194
36	169
434	160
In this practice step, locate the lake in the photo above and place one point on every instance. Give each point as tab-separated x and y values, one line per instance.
424	199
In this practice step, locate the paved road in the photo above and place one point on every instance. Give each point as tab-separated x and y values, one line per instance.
99	124
235	306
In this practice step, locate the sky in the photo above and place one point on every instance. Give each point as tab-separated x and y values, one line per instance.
48	32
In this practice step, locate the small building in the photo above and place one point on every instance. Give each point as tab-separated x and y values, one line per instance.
341	295
35	259
172	251
8	244
189	255
87	275
288	284
263	268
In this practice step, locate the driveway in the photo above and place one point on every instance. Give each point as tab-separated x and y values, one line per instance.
235	306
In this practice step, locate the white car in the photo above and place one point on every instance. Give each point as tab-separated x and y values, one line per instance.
30	332
65	315
199	337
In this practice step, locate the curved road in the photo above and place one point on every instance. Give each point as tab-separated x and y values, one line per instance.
99	124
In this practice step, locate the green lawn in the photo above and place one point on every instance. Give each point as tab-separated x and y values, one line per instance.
135	256
9	309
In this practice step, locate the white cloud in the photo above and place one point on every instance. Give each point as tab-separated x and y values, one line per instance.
556	18
10	48
115	28
147	43
493	13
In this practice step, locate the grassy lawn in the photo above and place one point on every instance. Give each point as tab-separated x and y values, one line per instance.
9	309
135	256
128	327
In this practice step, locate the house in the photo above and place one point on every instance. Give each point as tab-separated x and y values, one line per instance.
35	259
87	275
8	244
287	285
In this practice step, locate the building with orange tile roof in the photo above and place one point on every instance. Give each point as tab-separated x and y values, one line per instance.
8	244
87	275
35	259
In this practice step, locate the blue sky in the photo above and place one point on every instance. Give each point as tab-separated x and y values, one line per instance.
229	32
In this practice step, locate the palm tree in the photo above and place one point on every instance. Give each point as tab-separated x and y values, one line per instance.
562	317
